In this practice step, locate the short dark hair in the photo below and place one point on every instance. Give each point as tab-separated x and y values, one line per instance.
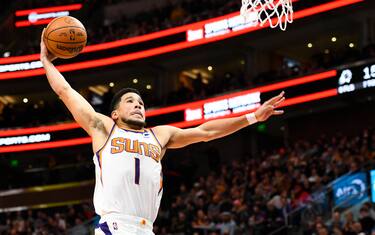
117	97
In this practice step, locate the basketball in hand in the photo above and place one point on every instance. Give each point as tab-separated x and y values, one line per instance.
65	37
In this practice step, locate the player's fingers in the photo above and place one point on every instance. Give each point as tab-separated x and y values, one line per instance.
278	112
41	36
278	102
275	99
272	100
42	45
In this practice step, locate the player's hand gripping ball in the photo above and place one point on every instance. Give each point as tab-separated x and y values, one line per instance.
65	37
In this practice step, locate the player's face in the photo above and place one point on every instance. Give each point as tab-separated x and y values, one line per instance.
131	110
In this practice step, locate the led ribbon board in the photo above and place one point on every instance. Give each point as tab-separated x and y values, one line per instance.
299	90
40	16
153	44
224	107
60	135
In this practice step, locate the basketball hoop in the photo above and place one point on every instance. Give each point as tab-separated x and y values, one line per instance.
276	12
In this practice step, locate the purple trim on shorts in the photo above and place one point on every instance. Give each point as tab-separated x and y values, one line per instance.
104	227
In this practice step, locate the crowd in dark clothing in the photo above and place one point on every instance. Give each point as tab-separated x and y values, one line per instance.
54	221
171	15
255	195
345	223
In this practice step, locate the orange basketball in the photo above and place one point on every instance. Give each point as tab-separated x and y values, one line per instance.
65	37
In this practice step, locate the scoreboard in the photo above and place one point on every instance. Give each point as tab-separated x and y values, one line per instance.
356	78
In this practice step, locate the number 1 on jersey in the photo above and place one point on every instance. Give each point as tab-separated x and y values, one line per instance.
137	170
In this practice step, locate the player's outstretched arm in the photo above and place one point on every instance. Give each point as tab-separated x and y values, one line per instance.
81	110
219	128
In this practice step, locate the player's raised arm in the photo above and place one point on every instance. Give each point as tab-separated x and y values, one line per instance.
81	110
177	138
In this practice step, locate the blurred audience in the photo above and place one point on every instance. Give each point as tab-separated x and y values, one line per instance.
252	195
173	14
55	221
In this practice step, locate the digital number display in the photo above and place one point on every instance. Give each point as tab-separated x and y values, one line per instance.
356	78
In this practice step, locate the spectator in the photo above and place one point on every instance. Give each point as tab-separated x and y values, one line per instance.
300	196
367	223
181	225
349	222
336	221
227	225
201	220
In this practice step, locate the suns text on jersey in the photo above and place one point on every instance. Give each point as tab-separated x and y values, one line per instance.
120	144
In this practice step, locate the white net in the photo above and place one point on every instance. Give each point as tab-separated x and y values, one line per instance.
275	12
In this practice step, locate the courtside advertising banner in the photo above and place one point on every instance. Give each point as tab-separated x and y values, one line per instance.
350	190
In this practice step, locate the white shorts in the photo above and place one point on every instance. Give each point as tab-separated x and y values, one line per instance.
123	225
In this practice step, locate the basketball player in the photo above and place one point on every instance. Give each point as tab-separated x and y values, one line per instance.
128	156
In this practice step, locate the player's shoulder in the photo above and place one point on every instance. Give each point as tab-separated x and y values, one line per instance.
163	128
164	132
